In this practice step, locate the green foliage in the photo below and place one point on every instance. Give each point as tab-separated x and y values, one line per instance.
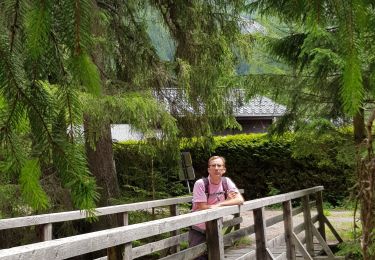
352	250
32	192
260	165
86	73
141	172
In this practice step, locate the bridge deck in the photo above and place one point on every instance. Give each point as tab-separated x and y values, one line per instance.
248	253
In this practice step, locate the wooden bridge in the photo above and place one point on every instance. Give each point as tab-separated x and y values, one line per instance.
304	241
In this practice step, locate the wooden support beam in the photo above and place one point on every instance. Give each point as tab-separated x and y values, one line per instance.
288	226
322	241
127	255
238	216
301	248
174	212
214	238
44	232
333	230
307	221
119	252
260	234
319	208
269	254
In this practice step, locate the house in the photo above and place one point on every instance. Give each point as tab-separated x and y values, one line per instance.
255	115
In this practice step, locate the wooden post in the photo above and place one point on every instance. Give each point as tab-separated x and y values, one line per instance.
319	208
214	238
44	232
260	234
121	251
288	226
307	223
174	212
237	227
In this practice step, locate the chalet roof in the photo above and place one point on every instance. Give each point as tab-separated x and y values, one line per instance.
260	106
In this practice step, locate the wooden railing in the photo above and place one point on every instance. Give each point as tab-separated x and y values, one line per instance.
124	236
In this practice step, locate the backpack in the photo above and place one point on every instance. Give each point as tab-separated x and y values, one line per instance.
224	183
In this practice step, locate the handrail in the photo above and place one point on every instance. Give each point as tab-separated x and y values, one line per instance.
85	243
79	214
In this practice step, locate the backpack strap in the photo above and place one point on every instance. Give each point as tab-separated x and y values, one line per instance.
206	186
224	183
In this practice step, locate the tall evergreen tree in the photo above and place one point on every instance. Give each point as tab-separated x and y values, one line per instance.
329	51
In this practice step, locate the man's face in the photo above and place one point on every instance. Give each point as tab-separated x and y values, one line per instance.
216	168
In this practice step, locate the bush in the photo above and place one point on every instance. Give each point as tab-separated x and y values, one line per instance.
260	165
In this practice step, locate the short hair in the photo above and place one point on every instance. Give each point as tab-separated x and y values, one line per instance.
216	157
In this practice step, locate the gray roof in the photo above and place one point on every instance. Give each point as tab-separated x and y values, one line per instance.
260	106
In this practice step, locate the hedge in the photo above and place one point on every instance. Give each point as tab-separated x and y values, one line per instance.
256	163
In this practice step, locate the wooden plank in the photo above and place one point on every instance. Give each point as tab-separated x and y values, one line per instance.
269	254
82	244
260	234
276	219
214	238
232	222
319	208
322	241
328	258
301	248
159	245
44	232
307	223
174	212
237	216
258	203
282	256
230	238
127	252
248	256
333	230
190	253
79	214
288	226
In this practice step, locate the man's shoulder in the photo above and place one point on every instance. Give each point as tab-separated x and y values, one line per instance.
199	182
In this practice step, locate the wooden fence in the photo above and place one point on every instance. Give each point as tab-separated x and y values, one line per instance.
122	237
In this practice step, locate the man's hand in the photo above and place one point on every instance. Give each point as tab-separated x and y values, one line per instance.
231	195
215	206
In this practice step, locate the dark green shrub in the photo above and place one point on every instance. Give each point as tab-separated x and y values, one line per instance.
260	165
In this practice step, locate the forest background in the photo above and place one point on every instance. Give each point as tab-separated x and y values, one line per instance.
92	63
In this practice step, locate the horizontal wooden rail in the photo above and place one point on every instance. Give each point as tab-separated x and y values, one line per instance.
85	243
79	214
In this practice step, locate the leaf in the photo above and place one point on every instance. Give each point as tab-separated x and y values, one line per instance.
352	89
32	191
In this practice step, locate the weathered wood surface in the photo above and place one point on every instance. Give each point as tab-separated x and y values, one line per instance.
159	245
260	234
82	244
78	214
288	226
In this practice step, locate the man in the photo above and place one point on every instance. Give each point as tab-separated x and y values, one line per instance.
215	198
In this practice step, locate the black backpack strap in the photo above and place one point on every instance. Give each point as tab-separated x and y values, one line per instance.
224	183
206	186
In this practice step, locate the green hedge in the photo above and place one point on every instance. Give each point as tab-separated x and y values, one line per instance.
259	165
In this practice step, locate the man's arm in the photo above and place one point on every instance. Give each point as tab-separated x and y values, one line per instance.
234	198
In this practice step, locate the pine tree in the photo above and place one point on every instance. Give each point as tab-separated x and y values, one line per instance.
329	50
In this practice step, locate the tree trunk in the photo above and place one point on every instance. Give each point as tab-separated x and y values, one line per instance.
359	126
366	177
101	165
